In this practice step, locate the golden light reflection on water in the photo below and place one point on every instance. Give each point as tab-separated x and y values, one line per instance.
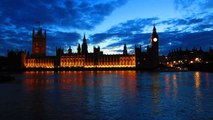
174	76
175	86
115	87
69	79
171	83
155	77
167	79
38	72
197	80
128	81
36	80
207	79
198	97
156	86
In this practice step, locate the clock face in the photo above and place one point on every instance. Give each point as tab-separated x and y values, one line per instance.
155	39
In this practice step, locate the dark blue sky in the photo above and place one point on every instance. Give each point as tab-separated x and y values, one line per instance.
107	23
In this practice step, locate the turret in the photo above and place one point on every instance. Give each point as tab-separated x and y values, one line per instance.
45	34
33	33
79	49
59	53
69	50
84	40
125	50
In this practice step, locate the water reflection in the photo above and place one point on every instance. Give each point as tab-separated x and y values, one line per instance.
167	82
207	79
37	80
197	80
156	92
171	84
155	86
198	97
175	89
125	79
112	95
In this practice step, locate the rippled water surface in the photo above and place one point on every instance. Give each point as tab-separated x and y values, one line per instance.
108	95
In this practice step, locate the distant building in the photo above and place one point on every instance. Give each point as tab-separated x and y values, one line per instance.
183	58
83	59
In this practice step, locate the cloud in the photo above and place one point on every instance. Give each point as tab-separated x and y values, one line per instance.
63	18
188	24
174	33
136	25
130	32
21	39
60	18
126	31
186	32
194	7
61	40
171	41
64	13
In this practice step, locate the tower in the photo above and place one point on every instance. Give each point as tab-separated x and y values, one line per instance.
59	53
84	46
154	48
138	57
79	49
125	50
69	50
39	43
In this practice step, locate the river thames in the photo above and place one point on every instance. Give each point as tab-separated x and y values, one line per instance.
108	95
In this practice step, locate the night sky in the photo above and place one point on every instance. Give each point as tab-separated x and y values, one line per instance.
107	23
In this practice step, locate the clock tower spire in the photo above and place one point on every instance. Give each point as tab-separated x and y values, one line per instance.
154	38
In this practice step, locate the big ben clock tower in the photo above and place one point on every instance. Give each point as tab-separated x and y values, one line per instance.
155	50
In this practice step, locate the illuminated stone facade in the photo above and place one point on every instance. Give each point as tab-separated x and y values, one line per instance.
102	61
39	62
94	60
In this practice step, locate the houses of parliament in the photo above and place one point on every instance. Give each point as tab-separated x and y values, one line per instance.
83	59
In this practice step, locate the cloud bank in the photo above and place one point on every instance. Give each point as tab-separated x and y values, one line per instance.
59	18
65	18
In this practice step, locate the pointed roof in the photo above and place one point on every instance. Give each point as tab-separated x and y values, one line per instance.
33	31
124	46
154	28
84	40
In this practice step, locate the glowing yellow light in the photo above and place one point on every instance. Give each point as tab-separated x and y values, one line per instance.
197	59
197	79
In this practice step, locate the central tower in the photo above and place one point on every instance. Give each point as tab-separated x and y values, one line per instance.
84	46
39	43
